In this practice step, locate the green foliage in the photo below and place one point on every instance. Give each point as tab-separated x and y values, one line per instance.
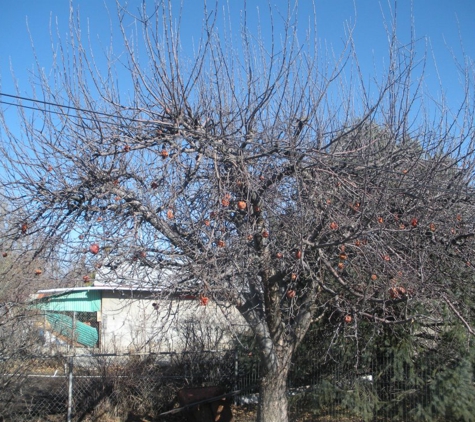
362	400
405	372
452	393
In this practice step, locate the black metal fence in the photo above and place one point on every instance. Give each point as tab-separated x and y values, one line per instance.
84	387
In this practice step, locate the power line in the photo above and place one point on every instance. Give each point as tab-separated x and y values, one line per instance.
121	125
96	113
57	112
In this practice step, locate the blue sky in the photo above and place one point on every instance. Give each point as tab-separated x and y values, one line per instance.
439	24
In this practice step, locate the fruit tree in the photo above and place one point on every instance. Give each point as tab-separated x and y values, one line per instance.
286	190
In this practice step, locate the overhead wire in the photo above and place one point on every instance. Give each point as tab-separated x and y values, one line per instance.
57	112
73	108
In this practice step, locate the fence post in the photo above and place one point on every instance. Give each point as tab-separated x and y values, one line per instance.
70	388
237	399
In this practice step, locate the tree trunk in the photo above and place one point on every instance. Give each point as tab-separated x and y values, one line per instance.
273	397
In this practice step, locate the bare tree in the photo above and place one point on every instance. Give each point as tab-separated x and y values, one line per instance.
258	170
20	336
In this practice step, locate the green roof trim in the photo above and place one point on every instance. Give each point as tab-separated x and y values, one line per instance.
77	301
83	333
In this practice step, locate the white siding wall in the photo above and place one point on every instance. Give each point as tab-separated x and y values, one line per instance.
131	323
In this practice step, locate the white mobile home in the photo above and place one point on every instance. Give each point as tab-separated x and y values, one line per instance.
133	319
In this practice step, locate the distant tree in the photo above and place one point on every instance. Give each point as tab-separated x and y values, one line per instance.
285	191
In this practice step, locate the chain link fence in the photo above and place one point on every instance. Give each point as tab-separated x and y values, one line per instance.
124	387
34	388
73	387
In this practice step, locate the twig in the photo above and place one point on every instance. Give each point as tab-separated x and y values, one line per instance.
460	317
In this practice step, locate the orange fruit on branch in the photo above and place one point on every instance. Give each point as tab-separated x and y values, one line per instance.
401	290
94	248
291	294
393	293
